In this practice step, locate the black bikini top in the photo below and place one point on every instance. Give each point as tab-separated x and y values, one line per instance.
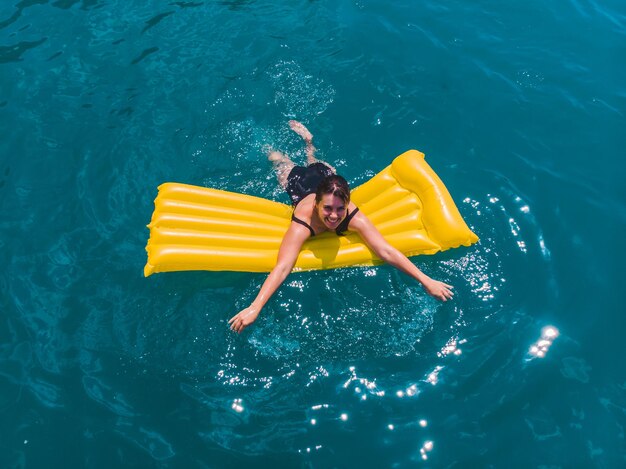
343	226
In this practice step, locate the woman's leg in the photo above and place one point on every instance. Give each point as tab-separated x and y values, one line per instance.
307	136
282	165
300	129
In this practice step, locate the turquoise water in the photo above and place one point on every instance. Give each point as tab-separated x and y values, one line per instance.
519	107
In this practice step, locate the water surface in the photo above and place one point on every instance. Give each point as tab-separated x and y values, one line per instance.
519	108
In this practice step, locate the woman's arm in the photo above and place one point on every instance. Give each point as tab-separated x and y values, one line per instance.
377	243
287	255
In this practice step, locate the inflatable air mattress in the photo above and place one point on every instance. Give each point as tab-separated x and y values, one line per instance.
197	228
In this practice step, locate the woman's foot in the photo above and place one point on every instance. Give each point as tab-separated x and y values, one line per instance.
301	130
277	157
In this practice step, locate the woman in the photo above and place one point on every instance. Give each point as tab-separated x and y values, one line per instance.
321	202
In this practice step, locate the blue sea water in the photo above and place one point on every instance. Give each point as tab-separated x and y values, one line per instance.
520	108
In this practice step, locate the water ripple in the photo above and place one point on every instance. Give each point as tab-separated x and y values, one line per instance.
14	53
152	22
298	94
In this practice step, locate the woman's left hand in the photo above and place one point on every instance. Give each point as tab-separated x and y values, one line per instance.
441	291
243	319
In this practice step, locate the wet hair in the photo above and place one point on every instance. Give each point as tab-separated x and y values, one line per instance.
335	185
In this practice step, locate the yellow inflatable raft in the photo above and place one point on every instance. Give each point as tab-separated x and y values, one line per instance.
196	228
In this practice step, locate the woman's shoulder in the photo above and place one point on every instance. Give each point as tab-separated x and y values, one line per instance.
358	220
304	209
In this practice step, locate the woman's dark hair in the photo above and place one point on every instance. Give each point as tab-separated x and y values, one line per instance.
335	185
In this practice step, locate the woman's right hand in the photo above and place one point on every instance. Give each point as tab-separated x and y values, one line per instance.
287	254
243	318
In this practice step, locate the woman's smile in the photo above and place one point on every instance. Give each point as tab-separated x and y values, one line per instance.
331	223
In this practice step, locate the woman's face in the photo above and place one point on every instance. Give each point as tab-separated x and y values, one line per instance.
331	210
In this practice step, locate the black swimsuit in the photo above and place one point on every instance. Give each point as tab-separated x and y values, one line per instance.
304	181
343	226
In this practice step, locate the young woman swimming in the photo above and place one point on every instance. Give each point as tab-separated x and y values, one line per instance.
322	203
